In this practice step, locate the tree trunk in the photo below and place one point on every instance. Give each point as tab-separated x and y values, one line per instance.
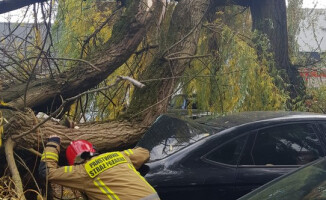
269	18
184	33
181	43
105	136
147	103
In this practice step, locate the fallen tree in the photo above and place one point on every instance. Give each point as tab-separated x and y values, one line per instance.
23	100
114	134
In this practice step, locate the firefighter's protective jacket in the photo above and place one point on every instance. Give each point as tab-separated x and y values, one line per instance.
111	175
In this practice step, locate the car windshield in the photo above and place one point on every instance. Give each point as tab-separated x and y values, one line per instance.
308	182
169	134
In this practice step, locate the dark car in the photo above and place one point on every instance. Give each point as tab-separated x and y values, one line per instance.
227	157
306	183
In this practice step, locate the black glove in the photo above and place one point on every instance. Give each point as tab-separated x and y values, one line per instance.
54	138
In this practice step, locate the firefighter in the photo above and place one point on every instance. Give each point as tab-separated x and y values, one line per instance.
110	175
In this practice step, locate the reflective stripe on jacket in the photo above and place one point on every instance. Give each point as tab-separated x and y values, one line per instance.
107	176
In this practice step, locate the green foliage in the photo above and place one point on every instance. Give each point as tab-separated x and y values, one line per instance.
232	79
76	21
235	80
266	58
317	100
112	103
119	98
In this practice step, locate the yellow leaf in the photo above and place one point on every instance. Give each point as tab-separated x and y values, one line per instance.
3	103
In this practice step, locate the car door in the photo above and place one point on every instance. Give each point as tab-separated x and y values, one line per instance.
200	177
274	151
218	168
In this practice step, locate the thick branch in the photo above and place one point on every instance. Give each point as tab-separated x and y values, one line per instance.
9	150
182	39
127	35
269	18
65	102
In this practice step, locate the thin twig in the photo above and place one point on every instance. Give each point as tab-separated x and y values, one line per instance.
168	96
18	25
133	81
106	96
187	57
148	47
35	65
33	151
71	59
14	60
83	108
190	32
86	41
200	76
25	166
13	75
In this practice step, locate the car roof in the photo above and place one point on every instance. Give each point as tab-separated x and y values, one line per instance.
171	131
236	119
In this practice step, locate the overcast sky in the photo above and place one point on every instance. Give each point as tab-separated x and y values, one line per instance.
312	3
14	16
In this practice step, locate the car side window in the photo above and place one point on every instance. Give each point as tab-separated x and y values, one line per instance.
292	144
322	128
228	153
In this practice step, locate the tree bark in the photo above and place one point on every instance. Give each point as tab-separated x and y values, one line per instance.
9	151
105	136
269	18
181	41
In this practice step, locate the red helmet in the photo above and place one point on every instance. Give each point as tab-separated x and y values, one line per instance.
76	148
